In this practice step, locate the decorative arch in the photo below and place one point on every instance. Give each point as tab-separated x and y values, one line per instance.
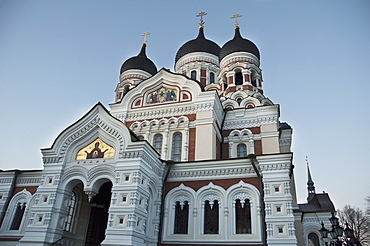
175	201
210	202
73	175
236	137
245	210
17	214
167	127
230	104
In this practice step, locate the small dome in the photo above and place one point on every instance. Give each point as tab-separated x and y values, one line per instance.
238	44
200	44
140	62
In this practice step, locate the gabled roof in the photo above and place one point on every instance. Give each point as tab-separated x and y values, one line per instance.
318	203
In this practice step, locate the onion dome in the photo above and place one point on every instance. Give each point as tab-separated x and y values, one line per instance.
141	61
239	44
200	44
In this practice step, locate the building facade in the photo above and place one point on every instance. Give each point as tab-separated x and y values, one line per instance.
194	156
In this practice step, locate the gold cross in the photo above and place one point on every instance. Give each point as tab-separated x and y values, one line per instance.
145	34
236	16
201	14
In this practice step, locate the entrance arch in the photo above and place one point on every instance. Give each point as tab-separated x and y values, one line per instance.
99	215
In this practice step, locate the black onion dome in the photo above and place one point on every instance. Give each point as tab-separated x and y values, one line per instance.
200	44
238	44
140	62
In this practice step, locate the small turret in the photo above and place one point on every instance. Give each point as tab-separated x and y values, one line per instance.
134	70
239	65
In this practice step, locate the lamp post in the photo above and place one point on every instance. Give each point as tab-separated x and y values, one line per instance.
336	231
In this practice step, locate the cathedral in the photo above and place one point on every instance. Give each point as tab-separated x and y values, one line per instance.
193	156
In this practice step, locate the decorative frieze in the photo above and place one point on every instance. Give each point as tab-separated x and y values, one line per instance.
6	181
274	167
211	172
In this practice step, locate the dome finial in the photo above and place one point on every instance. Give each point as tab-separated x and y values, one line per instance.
201	23
236	16
145	34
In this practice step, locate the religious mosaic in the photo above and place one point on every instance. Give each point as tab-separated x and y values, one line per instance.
96	149
161	95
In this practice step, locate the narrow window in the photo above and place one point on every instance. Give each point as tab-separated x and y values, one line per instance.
141	137
176	146
157	142
212	78
193	75
224	82
18	215
71	210
241	150
238	78
181	217
211	217
254	83
253	78
243	216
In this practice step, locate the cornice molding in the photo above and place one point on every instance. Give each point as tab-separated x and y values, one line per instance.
251	122
174	111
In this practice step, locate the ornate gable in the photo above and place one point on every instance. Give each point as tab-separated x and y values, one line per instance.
163	88
97	127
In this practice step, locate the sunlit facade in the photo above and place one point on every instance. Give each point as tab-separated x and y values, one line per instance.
194	156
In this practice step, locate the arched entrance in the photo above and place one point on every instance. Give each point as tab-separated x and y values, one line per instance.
99	215
313	239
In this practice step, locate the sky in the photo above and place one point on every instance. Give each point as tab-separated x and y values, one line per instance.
59	58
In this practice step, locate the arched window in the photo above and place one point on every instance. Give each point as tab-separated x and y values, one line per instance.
71	211
211	213
193	75
157	142
176	146
238	77
181	217
241	150
18	216
243	217
313	239
211	78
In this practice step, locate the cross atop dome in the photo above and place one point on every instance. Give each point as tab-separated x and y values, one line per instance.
145	34
236	16
201	23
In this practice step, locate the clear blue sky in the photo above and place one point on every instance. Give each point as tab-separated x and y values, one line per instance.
59	58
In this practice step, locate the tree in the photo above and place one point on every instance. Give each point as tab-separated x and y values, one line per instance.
358	220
